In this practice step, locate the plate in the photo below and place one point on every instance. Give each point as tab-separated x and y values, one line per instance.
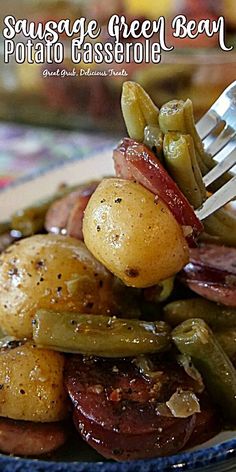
216	455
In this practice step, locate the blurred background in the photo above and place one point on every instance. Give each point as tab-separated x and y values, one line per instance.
197	69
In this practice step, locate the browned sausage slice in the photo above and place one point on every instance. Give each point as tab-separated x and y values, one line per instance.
219	258
67	213
25	438
128	446
216	293
211	273
121	168
120	446
121	413
207	424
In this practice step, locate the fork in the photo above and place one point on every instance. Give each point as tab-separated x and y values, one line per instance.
222	114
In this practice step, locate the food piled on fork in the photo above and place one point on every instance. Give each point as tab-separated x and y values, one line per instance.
118	305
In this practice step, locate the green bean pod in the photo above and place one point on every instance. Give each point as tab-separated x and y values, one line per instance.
149	109
177	115
153	138
194	338
99	335
216	316
30	220
160	292
222	227
182	165
138	110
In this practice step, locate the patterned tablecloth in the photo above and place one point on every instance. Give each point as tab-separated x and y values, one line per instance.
25	149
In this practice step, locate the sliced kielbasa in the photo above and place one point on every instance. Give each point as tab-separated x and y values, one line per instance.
207	424
121	413
211	273
67	213
25	438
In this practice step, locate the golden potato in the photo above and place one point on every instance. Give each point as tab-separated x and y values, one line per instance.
51	272
133	233
32	386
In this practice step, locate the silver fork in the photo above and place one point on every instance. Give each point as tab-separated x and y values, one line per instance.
223	148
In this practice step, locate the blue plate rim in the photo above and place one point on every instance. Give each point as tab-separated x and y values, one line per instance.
182	461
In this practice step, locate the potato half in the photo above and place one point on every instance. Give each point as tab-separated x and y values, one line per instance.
32	385
133	233
50	272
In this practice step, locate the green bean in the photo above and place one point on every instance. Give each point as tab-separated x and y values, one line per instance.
222	227
182	164
153	138
133	116
159	293
227	340
221	319
216	316
138	110
30	220
149	109
167	287
194	338
172	117
99	335
177	115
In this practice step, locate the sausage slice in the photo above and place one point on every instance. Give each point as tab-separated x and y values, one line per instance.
67	213
25	438
121	413
211	273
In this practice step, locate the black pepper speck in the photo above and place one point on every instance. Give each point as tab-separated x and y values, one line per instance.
130	272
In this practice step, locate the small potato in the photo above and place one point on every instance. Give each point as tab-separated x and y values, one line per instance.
49	272
133	233
32	386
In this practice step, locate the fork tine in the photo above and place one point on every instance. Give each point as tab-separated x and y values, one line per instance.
226	150
224	195
222	109
222	167
222	112
213	135
222	139
207	123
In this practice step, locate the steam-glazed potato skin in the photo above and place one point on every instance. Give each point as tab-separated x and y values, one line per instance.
32	385
133	233
49	271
